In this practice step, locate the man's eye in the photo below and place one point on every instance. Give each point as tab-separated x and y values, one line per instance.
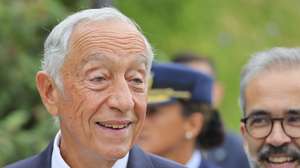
293	120
137	80
259	121
97	79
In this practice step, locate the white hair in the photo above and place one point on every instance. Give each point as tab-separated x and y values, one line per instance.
275	59
57	43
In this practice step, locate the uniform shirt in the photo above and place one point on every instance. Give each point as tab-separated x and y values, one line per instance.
58	162
195	160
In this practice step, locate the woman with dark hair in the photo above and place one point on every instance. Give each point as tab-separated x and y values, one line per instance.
179	106
230	154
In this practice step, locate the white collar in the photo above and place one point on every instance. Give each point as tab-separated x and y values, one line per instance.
195	160
58	162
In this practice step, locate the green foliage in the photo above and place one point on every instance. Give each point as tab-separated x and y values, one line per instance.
25	127
227	31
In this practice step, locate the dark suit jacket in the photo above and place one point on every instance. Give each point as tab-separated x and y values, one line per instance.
231	154
206	164
137	159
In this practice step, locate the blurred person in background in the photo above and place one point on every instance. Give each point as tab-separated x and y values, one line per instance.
179	104
270	101
94	80
231	153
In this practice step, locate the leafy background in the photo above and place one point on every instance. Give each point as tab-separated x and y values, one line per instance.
227	31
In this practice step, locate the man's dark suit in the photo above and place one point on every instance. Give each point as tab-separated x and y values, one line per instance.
206	164
137	159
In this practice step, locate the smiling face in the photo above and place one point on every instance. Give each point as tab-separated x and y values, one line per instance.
276	94
103	103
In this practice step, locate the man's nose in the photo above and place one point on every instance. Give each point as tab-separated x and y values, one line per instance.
121	98
278	137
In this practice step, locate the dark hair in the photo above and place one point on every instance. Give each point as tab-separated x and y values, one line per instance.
212	133
188	57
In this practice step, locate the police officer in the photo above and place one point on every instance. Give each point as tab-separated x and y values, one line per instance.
230	154
179	104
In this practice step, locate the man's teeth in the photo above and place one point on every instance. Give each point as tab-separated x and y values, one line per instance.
114	126
280	159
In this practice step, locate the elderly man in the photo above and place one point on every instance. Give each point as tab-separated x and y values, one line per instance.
94	79
270	100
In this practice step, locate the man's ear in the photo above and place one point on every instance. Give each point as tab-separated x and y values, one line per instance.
47	91
243	131
245	139
195	124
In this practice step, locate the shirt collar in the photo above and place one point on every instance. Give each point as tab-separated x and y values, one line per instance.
195	160
58	162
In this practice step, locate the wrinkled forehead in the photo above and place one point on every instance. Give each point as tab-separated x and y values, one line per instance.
115	25
107	30
108	36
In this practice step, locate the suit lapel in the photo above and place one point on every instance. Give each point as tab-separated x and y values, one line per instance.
138	159
204	164
44	158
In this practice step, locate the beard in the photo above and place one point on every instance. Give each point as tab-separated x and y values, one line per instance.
262	156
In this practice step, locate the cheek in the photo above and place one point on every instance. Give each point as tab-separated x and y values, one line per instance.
163	132
169	133
80	105
72	112
171	125
254	145
297	143
140	107
140	115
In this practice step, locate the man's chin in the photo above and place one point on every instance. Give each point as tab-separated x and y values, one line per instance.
118	152
269	164
290	164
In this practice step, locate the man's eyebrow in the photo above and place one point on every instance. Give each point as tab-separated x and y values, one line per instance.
259	112
293	111
94	57
142	59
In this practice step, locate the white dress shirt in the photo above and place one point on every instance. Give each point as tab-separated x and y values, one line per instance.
58	162
195	160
